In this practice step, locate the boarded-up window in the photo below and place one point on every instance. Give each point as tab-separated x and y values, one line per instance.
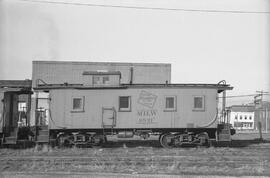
77	103
170	103
124	103
198	103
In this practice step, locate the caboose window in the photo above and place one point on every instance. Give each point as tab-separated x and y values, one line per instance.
198	103
124	103
101	80
78	104
170	103
105	80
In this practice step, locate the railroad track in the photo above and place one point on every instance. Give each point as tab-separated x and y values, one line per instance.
224	161
147	161
134	157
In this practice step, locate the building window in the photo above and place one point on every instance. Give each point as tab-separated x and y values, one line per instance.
100	80
198	104
237	124
240	117
124	103
170	103
236	117
245	117
78	104
22	106
250	117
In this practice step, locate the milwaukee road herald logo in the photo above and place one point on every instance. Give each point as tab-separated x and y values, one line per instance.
147	99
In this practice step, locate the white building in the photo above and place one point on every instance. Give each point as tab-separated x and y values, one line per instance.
242	117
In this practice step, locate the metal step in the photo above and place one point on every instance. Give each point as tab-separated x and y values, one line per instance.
43	132
224	137
42	138
10	140
13	133
43	127
225	132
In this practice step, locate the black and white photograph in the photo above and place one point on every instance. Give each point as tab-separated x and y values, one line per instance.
134	88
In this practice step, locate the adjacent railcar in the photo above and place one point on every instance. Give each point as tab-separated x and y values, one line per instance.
179	113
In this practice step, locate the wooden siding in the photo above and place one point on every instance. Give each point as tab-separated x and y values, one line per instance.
154	106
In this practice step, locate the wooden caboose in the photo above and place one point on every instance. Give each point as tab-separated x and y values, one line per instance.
180	113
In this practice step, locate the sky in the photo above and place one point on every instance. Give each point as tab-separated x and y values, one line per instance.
202	47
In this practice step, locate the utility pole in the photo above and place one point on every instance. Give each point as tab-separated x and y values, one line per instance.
266	117
261	93
264	112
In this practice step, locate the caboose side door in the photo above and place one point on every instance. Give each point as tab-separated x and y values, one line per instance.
108	117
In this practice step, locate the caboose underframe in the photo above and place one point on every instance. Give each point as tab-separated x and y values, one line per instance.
195	136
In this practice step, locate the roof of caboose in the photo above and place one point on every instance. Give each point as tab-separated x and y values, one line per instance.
219	87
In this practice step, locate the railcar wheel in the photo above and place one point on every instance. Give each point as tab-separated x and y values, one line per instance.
98	140
63	141
144	136
166	140
204	139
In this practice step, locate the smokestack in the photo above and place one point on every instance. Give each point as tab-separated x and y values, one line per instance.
131	76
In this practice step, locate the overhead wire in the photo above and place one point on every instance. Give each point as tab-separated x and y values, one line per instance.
149	8
236	96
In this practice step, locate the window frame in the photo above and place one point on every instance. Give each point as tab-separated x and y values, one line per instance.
93	79
124	109
174	109
101	79
20	107
81	109
105	82
203	103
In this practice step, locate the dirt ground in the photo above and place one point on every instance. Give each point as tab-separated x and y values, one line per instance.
246	156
